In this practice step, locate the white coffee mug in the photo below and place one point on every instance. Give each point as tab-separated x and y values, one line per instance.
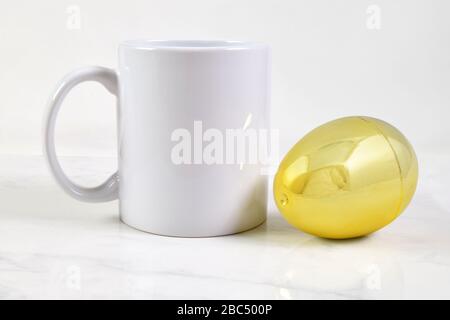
175	99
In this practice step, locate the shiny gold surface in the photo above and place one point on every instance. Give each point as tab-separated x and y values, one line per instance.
346	178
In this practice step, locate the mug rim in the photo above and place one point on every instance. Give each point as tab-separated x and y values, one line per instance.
192	45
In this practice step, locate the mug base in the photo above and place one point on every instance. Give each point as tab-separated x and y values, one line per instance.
188	235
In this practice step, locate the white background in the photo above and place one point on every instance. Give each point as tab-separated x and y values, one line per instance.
327	63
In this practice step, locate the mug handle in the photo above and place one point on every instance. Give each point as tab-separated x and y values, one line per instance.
108	190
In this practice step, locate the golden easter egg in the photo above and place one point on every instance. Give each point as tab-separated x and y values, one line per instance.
346	178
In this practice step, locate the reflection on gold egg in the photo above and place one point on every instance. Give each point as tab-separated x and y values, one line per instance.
346	178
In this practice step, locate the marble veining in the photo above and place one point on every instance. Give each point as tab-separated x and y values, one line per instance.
52	246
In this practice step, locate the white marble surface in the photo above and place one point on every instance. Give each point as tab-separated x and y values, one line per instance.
52	246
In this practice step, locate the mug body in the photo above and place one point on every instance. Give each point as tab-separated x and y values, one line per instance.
181	104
